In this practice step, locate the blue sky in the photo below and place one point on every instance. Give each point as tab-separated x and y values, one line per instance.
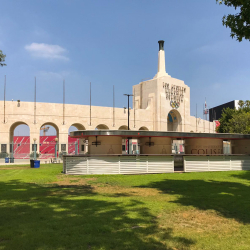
115	43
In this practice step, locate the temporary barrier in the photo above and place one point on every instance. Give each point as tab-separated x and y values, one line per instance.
216	163
121	164
46	150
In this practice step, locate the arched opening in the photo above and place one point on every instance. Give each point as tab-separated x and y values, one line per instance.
174	124
143	128
123	127
49	141
19	141
102	127
74	144
174	121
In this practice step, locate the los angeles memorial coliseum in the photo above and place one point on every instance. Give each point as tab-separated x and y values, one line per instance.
159	104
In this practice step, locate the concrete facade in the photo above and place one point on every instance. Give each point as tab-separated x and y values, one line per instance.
159	104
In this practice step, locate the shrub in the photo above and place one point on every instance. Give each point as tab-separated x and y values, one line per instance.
62	153
32	155
4	155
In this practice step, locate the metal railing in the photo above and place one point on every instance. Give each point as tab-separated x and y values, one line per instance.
47	150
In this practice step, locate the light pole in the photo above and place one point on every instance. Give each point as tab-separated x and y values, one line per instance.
76	147
56	140
34	149
12	153
128	95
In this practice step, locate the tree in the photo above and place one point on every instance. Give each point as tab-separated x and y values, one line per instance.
2	58
241	103
227	115
240	123
240	22
235	121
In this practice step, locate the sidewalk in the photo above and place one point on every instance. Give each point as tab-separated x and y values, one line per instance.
24	162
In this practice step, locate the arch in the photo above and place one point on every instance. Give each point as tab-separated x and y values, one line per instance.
79	126
71	148
102	127
53	125
48	143
174	121
12	129
143	128
123	127
19	145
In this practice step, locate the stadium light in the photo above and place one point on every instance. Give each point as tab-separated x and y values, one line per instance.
34	139
56	140
128	95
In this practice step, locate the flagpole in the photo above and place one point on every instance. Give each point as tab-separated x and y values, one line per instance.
209	122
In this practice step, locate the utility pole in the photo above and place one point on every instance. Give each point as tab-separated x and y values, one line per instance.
113	105
63	102
196	117
90	103
35	103
4	99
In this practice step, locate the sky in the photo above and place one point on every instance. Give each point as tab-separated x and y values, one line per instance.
116	43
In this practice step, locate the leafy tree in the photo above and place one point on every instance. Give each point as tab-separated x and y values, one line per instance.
235	121
240	22
2	58
227	115
240	123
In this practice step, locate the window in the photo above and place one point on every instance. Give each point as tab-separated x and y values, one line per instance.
3	148
123	148
82	149
63	147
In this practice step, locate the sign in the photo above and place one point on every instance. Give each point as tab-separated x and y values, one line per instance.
174	94
204	150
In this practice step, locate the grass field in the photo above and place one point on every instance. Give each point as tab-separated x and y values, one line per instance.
45	209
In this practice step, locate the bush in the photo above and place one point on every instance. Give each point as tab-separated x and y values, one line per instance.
4	155
32	155
61	154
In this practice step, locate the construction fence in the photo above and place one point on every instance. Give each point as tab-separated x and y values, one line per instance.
46	150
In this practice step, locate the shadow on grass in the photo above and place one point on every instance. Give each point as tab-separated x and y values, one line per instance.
230	199
245	175
53	217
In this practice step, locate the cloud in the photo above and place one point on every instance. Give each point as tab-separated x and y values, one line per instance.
52	76
216	86
216	47
47	51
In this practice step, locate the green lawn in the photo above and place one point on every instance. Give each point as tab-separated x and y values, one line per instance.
45	209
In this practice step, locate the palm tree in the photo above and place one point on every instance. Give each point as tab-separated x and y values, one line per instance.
241	103
2	59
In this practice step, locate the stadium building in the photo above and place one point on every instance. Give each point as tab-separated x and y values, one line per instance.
159	104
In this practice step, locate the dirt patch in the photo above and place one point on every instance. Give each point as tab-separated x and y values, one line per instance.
72	181
104	189
201	221
117	191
